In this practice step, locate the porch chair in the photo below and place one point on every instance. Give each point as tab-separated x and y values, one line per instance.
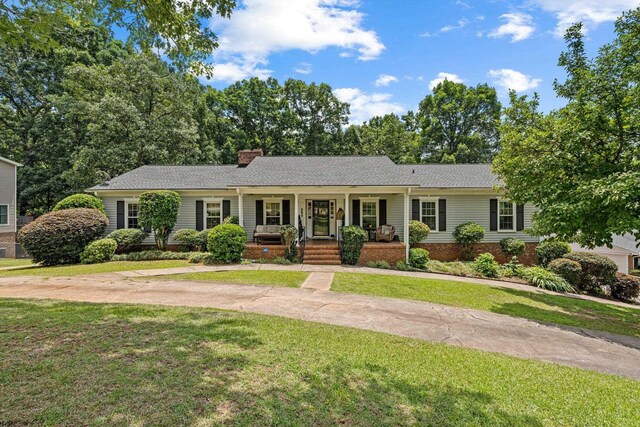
385	233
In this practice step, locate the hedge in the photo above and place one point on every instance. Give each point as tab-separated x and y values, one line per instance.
418	231
128	238
551	249
101	250
353	241
418	258
625	287
568	269
226	242
159	212
598	272
80	200
468	235
512	247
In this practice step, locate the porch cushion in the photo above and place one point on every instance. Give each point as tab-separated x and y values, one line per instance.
386	229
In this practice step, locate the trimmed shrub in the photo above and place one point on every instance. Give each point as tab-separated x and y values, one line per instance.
159	212
354	238
486	265
60	237
227	242
598	272
468	235
128	238
626	287
568	269
101	250
203	239
418	258
635	273
545	279
80	200
289	236
231	219
551	249
154	255
418	231
188	238
378	264
197	257
512	247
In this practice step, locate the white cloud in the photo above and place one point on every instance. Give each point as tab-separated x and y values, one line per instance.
519	26
385	80
366	105
460	24
589	12
231	72
507	79
303	68
259	28
442	76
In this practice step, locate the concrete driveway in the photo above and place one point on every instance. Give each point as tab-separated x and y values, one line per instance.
599	351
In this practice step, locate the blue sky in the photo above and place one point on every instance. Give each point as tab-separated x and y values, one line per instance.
384	56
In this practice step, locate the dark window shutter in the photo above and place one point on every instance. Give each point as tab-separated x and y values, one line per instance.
442	214
519	217
286	212
199	215
493	214
226	208
382	212
355	212
259	212
120	214
415	209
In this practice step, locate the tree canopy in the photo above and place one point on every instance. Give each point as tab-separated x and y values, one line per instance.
581	164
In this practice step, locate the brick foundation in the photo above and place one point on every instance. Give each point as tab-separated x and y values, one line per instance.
253	251
389	252
451	252
8	242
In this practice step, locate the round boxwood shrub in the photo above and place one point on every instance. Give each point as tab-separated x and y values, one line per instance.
98	251
127	238
59	237
418	258
625	287
226	242
188	238
551	249
468	235
512	247
598	272
418	231
159	212
568	269
486	264
354	238
80	201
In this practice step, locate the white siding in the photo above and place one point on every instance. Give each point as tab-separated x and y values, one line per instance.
249	203
8	194
395	210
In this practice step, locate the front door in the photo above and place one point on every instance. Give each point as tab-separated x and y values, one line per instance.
321	218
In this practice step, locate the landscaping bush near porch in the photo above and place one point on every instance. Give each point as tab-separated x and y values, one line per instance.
226	242
159	212
354	238
468	235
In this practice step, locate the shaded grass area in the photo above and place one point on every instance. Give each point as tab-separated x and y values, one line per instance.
289	279
96	364
107	267
529	305
12	262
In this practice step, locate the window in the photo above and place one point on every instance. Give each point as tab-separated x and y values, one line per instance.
369	214
429	214
272	212
132	215
214	214
4	214
506	216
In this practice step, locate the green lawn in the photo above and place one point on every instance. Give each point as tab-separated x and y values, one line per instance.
289	279
107	267
90	364
530	305
11	262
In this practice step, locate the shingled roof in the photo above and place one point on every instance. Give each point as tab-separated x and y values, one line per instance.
275	171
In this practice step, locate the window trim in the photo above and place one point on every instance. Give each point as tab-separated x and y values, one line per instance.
375	200
434	200
127	202
8	215
204	213
266	200
513	216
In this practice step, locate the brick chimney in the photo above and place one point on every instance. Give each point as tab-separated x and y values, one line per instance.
246	156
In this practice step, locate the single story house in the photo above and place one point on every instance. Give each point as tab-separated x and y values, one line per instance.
8	227
323	193
623	251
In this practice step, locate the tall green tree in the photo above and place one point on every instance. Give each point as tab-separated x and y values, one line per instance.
581	164
387	135
459	123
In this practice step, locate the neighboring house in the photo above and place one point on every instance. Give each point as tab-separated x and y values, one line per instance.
8	184
623	251
315	191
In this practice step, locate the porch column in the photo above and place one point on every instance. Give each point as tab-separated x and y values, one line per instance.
346	210
406	224
296	209
240	209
